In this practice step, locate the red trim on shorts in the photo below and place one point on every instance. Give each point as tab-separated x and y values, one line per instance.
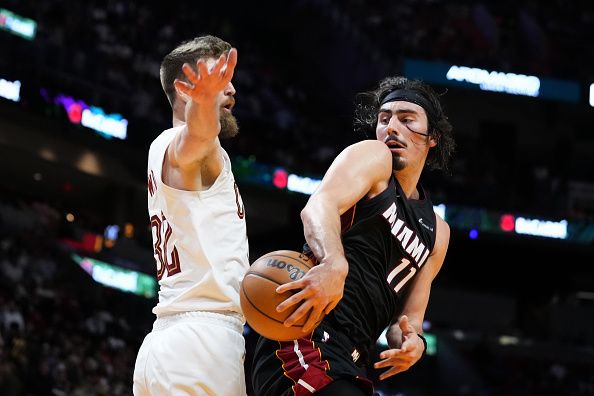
302	363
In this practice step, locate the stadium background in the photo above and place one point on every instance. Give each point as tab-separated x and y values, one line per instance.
511	313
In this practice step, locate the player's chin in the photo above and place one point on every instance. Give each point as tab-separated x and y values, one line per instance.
398	163
229	126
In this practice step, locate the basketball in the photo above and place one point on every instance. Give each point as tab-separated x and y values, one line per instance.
259	298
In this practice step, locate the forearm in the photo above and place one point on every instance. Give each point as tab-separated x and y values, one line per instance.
197	139
203	118
321	228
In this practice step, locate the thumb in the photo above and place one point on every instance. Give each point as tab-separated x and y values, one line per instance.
405	325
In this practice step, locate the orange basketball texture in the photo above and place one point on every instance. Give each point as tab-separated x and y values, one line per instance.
259	298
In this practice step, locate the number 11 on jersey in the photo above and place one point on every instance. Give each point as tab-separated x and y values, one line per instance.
404	264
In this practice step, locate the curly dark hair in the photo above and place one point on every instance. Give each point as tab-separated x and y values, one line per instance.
202	47
368	105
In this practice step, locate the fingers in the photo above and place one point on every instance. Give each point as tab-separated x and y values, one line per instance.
396	360
183	88
401	362
330	307
313	320
201	80
407	350
411	343
393	371
298	314
202	68
190	73
403	322
293	300
402	359
392	354
219	66
299	284
230	64
224	67
405	325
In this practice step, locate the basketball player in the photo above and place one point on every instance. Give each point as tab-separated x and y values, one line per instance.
196	346
379	245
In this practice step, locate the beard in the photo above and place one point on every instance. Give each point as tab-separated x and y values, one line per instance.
398	163
229	126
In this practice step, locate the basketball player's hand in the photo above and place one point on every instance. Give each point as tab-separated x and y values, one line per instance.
321	290
401	359
207	83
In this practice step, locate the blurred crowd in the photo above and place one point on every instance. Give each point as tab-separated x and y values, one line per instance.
109	54
60	333
526	36
63	334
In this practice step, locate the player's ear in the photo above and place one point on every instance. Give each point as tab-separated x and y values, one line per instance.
180	97
433	139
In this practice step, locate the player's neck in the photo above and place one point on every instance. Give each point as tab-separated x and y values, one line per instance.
408	182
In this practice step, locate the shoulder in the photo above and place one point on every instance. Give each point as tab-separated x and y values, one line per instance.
362	169
370	146
371	154
165	137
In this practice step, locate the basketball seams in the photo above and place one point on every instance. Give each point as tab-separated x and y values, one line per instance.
254	305
261	275
262	278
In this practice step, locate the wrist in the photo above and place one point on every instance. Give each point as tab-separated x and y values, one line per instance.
338	264
424	343
202	102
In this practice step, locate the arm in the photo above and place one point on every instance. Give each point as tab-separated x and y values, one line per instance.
193	158
406	346
361	169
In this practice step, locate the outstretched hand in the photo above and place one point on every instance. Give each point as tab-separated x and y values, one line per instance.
321	289
401	359
207	83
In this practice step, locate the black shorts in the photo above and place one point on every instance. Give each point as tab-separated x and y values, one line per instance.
304	366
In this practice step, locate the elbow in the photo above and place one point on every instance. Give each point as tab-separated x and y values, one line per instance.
305	214
306	217
308	212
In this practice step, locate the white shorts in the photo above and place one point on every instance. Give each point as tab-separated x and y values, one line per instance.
194	353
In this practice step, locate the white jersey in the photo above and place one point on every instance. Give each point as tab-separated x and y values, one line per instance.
199	239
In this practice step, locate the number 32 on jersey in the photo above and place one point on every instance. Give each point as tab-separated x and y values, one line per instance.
166	261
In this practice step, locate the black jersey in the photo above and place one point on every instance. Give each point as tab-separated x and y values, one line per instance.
387	240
